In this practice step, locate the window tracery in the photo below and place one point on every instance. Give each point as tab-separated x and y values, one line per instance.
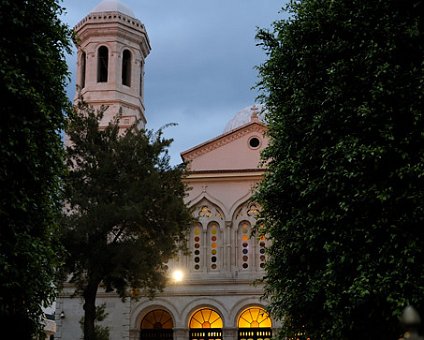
251	253
206	318
206	238
254	317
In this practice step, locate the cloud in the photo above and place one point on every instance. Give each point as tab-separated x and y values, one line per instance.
201	68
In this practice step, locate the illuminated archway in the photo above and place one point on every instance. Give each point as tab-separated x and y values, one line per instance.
254	323
254	317
157	324
206	324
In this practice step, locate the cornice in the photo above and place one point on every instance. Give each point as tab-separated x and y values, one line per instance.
233	175
112	20
111	17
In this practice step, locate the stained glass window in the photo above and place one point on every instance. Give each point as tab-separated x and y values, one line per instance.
197	249
157	319
206	318
213	235
254	317
244	244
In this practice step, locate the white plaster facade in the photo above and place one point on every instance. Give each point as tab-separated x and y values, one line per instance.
224	260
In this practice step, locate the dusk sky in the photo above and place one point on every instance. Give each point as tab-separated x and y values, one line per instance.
201	69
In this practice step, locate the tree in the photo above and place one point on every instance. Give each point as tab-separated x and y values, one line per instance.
100	332
33	75
343	196
125	212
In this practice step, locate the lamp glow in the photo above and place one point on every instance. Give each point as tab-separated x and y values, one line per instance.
177	275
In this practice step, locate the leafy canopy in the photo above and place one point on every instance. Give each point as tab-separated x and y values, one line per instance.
125	212
33	75
343	198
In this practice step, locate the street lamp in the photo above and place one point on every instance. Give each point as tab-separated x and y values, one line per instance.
410	320
177	275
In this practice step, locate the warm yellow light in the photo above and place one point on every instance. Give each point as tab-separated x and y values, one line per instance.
254	317
177	275
206	318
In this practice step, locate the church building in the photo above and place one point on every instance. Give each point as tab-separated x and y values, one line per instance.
212	292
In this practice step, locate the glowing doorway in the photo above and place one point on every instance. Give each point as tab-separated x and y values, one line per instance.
206	324
254	324
157	325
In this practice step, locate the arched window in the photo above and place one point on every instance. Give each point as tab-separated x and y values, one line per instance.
102	64
141	80
82	69
252	244
206	324
244	239
157	324
251	249
209	257
206	318
197	246
206	239
254	317
214	246
262	252
253	324
126	68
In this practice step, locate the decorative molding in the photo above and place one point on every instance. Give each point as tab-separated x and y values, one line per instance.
223	140
112	17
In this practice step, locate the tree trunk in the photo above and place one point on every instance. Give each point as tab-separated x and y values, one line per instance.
90	293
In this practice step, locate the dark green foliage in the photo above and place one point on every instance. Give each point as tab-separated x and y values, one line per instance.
101	332
125	211
344	195
33	75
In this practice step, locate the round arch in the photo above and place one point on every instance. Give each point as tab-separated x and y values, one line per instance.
205	318
102	63
254	317
157	324
142	309
254	323
157	319
243	304
205	302
205	323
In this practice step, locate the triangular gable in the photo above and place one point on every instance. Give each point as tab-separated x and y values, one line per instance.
234	150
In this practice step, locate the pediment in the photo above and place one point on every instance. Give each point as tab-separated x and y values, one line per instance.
238	149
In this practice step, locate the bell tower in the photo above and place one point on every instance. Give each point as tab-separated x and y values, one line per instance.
112	47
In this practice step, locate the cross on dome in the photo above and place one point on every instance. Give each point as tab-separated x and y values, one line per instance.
248	114
254	115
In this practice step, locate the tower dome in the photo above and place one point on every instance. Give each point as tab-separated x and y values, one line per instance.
112	47
113	6
245	116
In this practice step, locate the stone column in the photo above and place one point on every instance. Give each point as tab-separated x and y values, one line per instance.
228	249
134	334
181	333
229	333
